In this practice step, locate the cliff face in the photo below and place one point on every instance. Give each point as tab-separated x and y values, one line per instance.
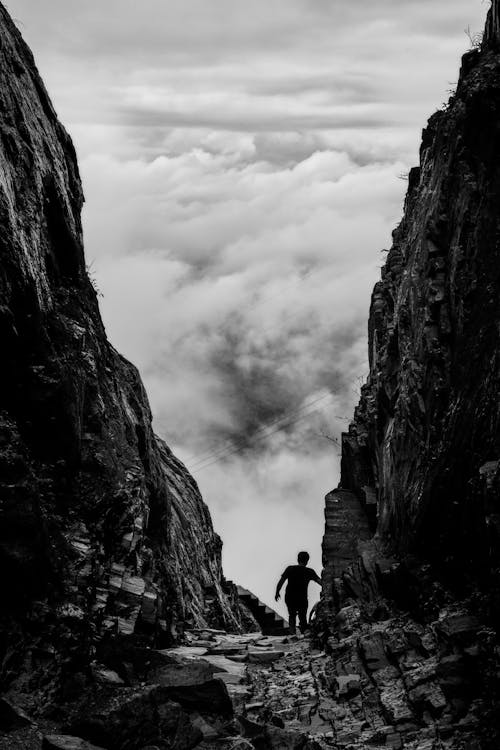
411	551
99	522
423	451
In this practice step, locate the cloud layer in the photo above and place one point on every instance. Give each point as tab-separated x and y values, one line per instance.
241	166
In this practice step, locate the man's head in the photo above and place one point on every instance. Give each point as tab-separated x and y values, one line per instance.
303	558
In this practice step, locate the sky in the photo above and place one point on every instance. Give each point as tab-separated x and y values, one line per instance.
244	165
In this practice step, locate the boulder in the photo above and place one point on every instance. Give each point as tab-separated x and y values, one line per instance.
105	676
133	718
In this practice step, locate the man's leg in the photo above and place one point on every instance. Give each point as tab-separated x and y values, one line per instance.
292	617
302	611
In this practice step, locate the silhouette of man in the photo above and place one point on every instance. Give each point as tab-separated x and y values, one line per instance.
298	577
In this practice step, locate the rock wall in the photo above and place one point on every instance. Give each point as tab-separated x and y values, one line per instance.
423	450
99	523
411	619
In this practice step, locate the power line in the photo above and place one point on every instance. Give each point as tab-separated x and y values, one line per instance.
256	303
282	419
202	457
240	448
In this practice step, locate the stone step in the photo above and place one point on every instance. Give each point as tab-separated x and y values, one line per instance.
269	620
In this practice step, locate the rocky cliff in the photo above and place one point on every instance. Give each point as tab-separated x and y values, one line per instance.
424	447
412	540
102	529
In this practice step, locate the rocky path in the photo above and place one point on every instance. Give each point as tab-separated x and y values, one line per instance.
218	691
387	684
274	685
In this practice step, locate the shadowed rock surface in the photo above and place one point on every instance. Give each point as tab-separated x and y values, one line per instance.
425	441
410	607
103	532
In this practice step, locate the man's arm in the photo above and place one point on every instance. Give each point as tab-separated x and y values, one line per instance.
315	577
280	584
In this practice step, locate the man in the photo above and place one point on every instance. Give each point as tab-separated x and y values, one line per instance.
298	577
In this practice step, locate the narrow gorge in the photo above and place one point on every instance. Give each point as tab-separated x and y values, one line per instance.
118	628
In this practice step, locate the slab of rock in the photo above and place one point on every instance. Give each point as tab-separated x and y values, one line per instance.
224	664
66	742
264	657
229	679
188	652
242	638
238	658
271	641
207	632
227	649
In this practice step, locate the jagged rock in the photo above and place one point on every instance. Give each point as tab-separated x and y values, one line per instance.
458	627
347	684
373	651
100	521
428	696
134	717
224	664
412	536
66	742
207	730
188	681
106	676
451	674
425	433
12	716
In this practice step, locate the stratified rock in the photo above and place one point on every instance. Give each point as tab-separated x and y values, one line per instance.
425	438
103	530
411	594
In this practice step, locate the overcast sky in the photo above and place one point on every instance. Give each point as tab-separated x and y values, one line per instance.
242	164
